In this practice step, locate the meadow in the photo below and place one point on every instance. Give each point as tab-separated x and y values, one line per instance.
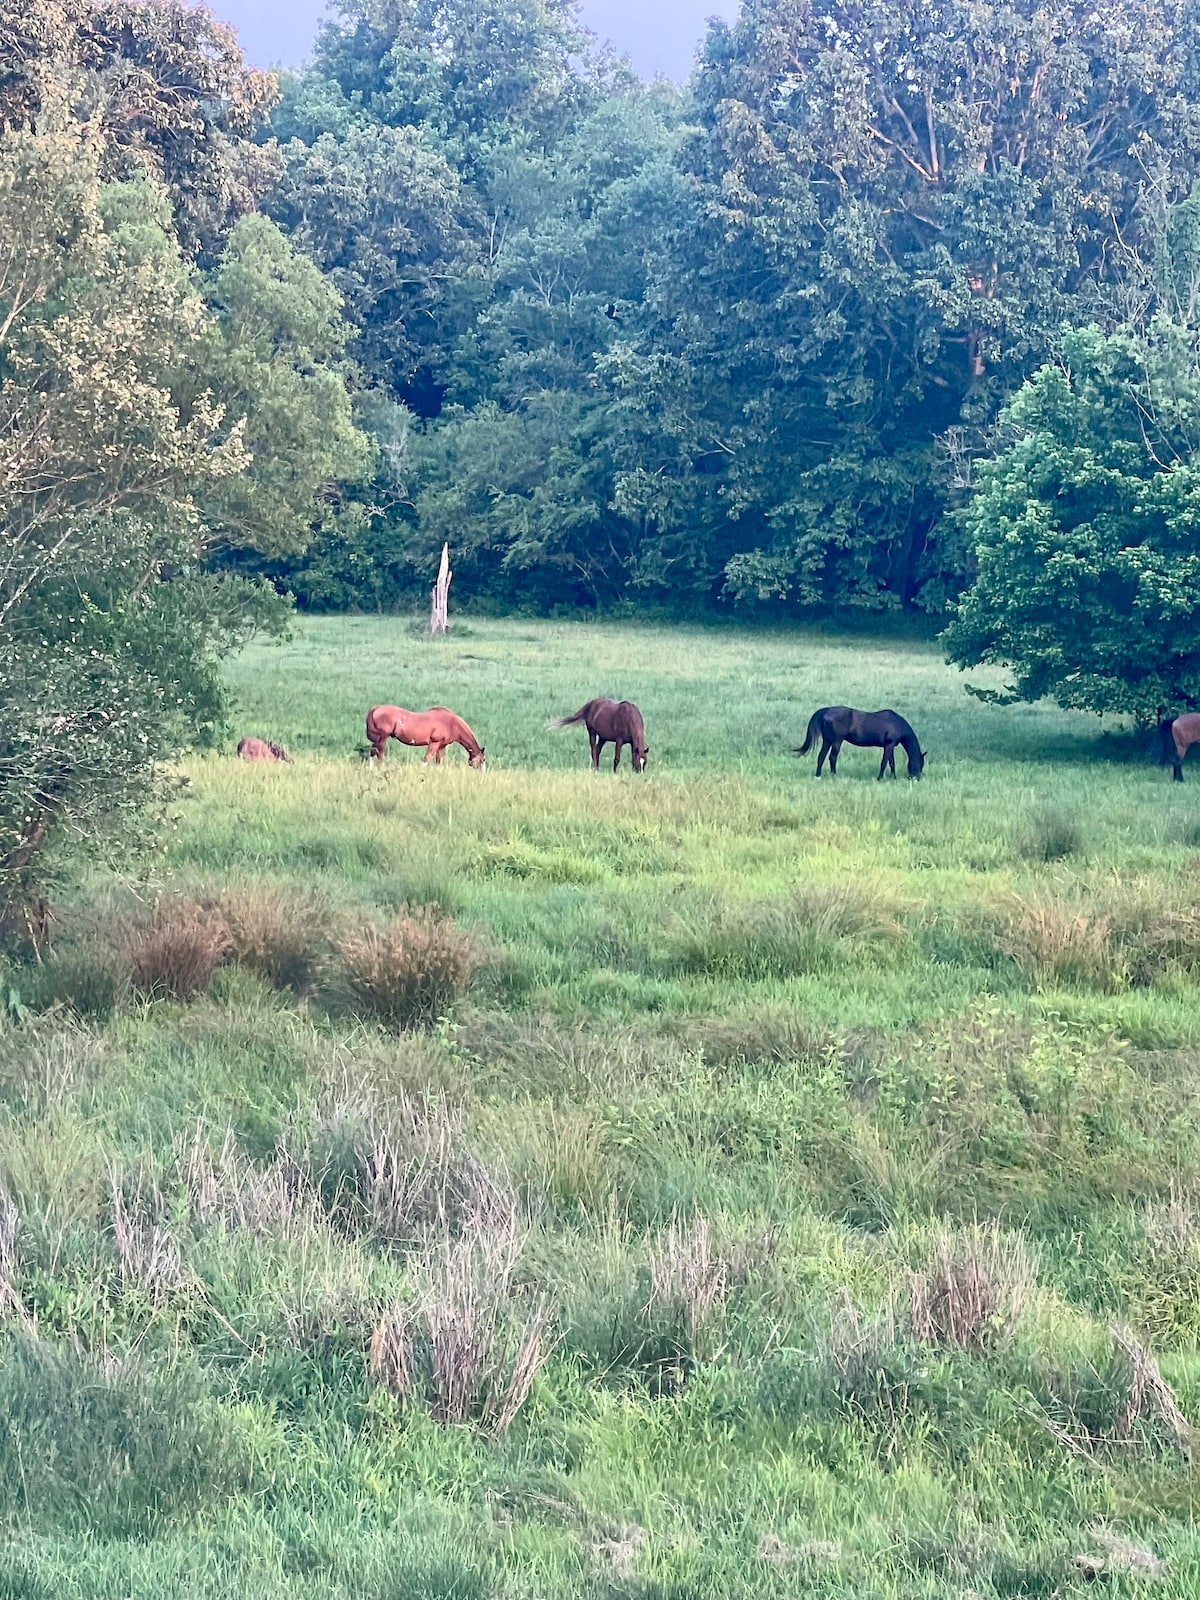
538	1183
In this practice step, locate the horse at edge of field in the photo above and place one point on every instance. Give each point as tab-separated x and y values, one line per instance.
254	749
616	722
1176	736
435	729
838	725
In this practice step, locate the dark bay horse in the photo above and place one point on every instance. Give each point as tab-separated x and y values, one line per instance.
1176	736
435	729
253	749
836	725
612	721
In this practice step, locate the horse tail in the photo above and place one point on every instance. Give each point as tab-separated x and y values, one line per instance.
814	733
1166	753
579	716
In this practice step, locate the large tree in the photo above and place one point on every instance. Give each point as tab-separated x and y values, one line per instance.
116	468
895	206
163	89
1086	530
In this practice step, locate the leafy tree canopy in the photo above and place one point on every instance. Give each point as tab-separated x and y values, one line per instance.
1086	530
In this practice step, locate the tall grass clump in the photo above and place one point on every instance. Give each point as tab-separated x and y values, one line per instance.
408	973
174	952
282	937
973	1290
807	931
1062	943
1051	833
471	1346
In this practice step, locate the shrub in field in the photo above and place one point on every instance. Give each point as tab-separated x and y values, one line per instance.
1051	833
175	951
472	1345
92	983
148	1257
409	972
689	1279
973	1291
1165	1270
280	936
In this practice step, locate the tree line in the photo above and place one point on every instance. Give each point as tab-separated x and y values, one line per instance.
892	306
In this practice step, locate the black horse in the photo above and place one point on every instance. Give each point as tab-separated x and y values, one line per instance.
835	725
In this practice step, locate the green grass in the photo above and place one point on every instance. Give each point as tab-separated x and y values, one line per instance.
740	1072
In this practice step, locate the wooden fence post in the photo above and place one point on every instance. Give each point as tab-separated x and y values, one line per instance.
438	619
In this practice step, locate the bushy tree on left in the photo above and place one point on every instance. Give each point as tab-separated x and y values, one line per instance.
125	422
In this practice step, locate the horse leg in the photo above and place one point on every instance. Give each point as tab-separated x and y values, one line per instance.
617	755
438	753
1178	762
833	755
883	763
825	749
429	749
597	744
379	749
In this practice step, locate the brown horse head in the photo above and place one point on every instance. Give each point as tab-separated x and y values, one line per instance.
478	760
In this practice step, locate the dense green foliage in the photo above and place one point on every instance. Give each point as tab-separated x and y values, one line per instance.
736	344
843	1135
170	378
1085	529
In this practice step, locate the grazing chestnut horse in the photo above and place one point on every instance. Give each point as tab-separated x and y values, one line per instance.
435	729
835	725
618	722
253	749
1176	736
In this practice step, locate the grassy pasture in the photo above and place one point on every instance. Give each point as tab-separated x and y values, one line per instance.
825	1155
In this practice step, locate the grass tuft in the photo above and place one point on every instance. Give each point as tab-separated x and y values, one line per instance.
408	973
174	952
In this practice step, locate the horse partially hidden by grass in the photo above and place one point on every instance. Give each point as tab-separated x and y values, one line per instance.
838	725
252	749
1176	736
616	722
435	729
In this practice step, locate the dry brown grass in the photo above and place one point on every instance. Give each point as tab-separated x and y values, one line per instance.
472	1345
408	973
148	1256
223	1186
689	1277
973	1291
174	952
280	936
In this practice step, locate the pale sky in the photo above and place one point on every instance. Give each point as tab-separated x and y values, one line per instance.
658	37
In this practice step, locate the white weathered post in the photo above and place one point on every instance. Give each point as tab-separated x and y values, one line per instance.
438	619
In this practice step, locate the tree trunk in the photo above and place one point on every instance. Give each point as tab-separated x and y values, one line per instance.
438	619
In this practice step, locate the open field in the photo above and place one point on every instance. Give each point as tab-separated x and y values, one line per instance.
783	1187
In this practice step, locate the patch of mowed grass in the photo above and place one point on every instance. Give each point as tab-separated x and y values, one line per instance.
799	1197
